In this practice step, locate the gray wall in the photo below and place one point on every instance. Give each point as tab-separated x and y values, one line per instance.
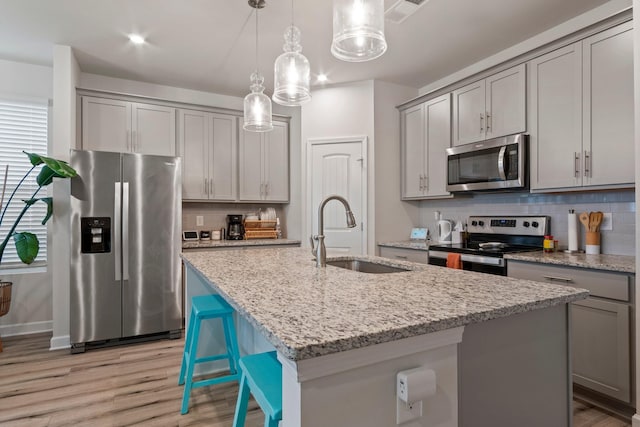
391	215
622	205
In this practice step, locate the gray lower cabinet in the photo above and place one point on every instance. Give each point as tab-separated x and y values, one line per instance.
412	255
601	325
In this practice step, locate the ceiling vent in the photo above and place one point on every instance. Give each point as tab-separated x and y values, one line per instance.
402	9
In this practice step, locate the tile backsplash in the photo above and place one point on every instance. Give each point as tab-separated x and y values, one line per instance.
621	204
214	215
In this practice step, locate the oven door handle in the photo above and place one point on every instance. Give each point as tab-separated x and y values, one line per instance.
485	260
501	171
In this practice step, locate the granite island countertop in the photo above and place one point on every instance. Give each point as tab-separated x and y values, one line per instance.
619	263
307	312
420	245
200	244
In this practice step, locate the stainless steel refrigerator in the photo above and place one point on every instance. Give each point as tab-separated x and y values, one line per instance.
125	248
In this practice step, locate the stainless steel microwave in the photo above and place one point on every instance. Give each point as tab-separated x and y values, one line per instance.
495	164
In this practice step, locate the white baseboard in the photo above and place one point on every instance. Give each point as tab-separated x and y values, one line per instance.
635	421
26	328
60	343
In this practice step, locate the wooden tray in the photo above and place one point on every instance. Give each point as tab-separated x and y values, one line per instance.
259	224
260	234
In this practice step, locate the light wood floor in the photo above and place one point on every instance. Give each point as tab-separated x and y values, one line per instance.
129	385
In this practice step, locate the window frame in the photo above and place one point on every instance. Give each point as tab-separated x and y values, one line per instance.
15	266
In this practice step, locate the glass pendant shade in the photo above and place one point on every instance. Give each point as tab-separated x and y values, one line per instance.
358	30
257	107
291	72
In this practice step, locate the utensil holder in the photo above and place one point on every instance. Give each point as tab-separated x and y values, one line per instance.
592	243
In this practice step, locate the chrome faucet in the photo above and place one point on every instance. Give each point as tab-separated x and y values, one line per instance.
319	251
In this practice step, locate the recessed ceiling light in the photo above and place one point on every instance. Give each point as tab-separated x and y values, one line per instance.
322	78
136	39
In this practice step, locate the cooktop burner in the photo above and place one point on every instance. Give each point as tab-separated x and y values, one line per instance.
474	248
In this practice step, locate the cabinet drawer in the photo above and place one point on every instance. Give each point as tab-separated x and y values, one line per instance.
599	283
413	255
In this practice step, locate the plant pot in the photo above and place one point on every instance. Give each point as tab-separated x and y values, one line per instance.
5	301
5	297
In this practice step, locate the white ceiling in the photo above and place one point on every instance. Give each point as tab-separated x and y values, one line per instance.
209	45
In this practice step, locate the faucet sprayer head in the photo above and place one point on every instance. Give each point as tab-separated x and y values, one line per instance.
351	220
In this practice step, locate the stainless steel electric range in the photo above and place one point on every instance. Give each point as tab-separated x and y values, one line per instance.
489	238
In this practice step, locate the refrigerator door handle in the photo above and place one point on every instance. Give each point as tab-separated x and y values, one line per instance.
125	231
117	230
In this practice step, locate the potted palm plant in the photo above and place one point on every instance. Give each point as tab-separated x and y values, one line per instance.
26	243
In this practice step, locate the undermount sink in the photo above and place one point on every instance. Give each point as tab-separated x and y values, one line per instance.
366	266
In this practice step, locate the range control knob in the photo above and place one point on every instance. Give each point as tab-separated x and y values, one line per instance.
481	223
535	224
526	224
474	223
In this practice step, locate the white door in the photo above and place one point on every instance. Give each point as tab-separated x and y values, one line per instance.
338	167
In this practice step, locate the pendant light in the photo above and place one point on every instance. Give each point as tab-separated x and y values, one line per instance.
257	105
358	30
291	70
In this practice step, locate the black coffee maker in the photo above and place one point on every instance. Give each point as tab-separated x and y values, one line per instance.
235	229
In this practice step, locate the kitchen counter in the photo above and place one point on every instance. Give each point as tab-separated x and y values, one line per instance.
201	244
306	312
619	263
342	336
421	245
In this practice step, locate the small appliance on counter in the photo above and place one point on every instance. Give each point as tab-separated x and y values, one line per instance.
235	229
419	234
445	228
190	236
205	235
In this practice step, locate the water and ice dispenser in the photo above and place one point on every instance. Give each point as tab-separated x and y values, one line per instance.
96	235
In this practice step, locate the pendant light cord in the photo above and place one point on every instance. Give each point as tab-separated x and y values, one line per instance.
257	68
292	14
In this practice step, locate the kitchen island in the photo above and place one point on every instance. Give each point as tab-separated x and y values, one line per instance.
498	346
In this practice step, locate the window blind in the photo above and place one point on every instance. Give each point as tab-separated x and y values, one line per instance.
23	127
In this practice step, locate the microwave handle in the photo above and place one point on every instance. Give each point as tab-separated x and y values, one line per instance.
501	170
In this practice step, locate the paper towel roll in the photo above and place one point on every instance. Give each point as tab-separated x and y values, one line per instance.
573	231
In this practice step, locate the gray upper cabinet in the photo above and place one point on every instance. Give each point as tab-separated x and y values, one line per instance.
208	144
581	114
608	122
123	126
490	108
555	124
426	134
264	164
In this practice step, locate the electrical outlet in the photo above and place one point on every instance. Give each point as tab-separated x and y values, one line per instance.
199	220
607	222
408	412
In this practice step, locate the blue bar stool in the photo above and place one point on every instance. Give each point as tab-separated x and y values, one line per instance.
262	377
202	308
